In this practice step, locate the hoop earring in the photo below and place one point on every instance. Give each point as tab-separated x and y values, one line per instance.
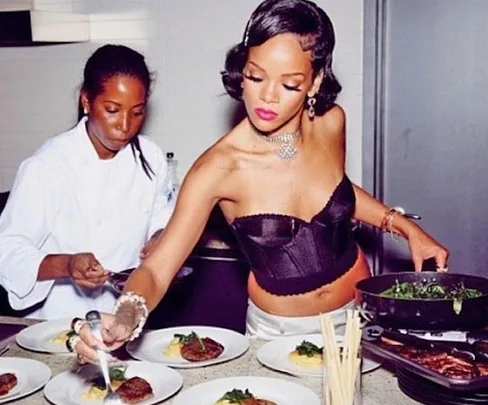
311	110
85	110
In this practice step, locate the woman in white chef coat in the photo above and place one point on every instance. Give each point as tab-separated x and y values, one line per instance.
89	199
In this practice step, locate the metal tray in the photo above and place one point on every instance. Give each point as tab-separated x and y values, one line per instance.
471	384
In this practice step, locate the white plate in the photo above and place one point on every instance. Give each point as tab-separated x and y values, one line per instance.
280	391
31	376
274	354
66	388
151	344
38	337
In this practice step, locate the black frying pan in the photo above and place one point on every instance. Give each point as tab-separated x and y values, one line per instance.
423	314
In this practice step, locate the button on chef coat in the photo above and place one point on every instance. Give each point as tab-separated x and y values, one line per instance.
65	199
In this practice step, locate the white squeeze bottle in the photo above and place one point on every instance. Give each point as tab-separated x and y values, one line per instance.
173	170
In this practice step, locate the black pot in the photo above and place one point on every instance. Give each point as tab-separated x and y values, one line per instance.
423	314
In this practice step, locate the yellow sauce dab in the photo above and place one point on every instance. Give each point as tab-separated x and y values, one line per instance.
96	393
61	338
224	402
305	361
173	349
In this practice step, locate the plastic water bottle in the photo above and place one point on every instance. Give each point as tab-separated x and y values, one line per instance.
173	170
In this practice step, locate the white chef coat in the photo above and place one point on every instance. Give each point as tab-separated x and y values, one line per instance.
65	199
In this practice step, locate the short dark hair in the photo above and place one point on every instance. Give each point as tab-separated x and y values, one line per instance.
302	18
107	62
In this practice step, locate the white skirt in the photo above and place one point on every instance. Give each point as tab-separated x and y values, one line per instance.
262	325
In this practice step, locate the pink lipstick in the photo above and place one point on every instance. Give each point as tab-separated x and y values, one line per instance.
266	115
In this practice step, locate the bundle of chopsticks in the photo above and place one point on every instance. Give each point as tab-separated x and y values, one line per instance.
341	365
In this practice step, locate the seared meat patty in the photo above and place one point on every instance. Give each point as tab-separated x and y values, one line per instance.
135	390
7	382
201	349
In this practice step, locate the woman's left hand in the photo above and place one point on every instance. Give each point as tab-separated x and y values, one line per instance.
423	246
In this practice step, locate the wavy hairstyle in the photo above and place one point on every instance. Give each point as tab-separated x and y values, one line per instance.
116	60
313	29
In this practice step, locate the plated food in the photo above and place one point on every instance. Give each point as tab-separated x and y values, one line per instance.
97	389
137	383
131	390
20	377
47	337
192	347
61	338
307	354
283	355
189	347
240	397
248	391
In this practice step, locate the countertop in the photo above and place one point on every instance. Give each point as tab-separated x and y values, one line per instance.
379	387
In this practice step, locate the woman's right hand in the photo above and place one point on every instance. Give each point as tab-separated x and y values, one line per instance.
86	270
114	334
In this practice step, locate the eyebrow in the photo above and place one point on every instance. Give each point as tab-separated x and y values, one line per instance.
285	74
120	105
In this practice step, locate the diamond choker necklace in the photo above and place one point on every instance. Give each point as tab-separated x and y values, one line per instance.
286	150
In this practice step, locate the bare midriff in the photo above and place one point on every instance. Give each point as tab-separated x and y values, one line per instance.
324	299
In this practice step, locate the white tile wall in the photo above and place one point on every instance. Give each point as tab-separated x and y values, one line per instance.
39	85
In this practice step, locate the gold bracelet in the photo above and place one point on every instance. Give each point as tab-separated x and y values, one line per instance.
386	219
387	222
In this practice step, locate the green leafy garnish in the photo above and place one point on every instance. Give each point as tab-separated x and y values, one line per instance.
117	373
308	349
184	339
236	396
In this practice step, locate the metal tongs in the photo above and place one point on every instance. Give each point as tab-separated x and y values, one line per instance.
118	280
95	324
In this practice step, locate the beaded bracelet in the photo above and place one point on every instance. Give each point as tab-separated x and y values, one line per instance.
77	324
140	302
71	342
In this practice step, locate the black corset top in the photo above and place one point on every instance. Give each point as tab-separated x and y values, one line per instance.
291	256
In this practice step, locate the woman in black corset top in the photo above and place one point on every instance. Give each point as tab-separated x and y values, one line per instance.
283	190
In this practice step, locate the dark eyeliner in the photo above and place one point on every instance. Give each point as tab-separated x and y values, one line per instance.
292	88
253	78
